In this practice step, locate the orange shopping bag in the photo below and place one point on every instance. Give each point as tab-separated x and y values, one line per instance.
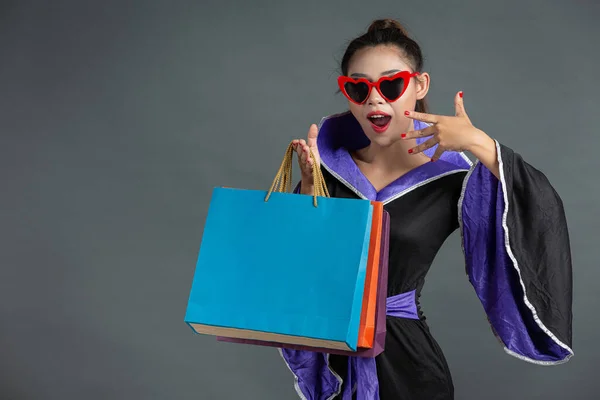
366	331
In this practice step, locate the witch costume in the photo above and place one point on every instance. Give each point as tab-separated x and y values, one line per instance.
517	255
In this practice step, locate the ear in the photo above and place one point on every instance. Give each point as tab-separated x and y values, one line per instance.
422	82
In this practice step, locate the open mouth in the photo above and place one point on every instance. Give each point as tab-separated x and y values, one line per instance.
379	121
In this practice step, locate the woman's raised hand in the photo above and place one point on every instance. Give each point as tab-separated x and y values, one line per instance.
305	162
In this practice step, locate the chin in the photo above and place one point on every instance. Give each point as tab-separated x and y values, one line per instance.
382	138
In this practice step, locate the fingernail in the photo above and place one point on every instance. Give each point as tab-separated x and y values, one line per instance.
410	151
403	135
460	94
432	160
406	112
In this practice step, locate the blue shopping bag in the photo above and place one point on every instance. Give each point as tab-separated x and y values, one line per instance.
282	267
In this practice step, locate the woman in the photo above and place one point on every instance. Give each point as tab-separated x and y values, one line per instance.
512	223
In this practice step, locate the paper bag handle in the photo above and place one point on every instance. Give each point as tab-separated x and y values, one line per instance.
283	179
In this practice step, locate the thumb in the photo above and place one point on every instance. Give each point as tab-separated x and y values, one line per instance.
313	133
459	105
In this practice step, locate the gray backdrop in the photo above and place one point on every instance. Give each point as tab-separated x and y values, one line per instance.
118	118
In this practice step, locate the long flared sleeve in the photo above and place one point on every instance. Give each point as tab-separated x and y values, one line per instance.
518	257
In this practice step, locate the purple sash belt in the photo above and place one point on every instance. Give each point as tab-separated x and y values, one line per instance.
402	305
362	372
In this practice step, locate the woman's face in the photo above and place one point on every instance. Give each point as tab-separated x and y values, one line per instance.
372	63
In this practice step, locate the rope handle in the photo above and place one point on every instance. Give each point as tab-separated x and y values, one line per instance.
283	179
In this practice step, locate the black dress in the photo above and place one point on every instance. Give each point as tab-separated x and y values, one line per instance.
517	254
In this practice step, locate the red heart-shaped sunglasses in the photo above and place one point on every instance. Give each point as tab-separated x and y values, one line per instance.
390	87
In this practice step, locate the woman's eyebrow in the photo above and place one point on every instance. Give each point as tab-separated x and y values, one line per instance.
359	75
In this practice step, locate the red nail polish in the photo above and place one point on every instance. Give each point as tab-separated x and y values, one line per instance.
461	94
406	112
403	135
410	151
432	160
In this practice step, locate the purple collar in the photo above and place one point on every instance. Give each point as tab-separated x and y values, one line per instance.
341	133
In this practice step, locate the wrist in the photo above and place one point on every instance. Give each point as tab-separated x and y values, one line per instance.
307	186
484	149
481	143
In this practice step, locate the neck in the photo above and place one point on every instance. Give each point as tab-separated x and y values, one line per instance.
393	157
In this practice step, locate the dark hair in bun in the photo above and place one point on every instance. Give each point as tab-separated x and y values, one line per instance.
382	24
387	32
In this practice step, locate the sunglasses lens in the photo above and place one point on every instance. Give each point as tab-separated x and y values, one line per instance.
357	91
392	89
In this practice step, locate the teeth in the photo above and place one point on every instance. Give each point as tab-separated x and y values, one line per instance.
377	116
